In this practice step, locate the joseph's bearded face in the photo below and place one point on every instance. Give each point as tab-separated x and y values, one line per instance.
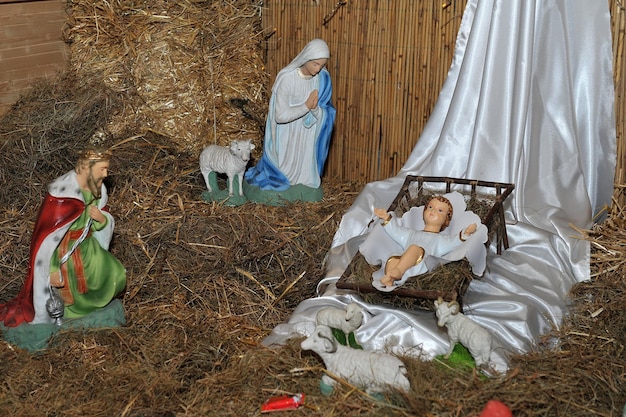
97	173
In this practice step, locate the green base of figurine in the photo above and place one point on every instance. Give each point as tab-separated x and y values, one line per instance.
326	389
346	340
221	196
292	194
34	337
460	358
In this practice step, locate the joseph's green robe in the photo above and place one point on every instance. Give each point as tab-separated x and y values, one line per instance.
104	275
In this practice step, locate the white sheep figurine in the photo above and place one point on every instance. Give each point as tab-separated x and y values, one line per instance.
376	372
231	161
463	330
346	320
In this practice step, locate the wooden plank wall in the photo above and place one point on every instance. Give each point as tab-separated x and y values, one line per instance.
31	45
388	63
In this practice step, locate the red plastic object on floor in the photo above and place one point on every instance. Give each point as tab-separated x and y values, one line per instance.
496	409
283	402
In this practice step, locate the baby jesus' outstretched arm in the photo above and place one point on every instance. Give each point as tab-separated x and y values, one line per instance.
381	213
469	230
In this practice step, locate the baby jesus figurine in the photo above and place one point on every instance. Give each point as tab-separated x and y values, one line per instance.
437	216
414	245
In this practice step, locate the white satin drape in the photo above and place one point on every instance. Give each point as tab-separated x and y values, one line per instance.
528	100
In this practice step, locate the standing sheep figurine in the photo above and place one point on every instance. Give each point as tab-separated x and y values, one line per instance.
231	161
376	372
464	331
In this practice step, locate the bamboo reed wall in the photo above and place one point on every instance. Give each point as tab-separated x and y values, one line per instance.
618	27
389	60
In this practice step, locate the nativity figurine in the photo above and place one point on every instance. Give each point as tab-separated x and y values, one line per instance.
373	371
461	329
348	319
424	237
230	160
297	131
71	272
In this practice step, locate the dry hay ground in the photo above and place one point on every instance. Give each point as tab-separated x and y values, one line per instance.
206	283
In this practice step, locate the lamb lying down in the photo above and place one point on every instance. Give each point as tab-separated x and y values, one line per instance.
375	372
347	320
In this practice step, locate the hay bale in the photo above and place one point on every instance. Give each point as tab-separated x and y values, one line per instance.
191	71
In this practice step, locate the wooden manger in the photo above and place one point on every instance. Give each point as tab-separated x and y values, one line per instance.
449	281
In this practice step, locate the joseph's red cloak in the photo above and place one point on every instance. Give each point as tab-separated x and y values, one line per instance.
55	213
